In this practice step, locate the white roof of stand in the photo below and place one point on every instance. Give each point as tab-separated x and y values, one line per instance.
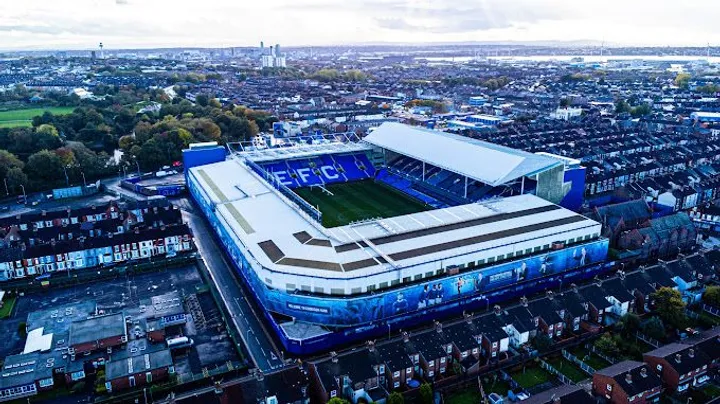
482	161
37	341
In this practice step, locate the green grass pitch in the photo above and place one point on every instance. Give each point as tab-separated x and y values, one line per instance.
359	200
23	117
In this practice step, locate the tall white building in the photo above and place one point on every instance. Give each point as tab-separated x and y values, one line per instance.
273	59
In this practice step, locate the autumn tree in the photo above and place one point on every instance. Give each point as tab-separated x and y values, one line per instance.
670	306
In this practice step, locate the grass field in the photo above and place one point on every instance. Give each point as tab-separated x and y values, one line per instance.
591	360
8	305
532	377
23	117
498	386
360	200
569	369
465	397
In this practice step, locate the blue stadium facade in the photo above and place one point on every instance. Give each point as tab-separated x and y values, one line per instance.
362	315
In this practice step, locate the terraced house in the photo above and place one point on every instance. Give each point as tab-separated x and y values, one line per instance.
47	242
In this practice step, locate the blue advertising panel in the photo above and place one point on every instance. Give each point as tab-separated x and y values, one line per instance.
354	311
202	156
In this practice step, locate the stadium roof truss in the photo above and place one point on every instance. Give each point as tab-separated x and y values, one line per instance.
478	160
263	149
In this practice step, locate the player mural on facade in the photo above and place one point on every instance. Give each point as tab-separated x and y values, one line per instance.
581	258
431	295
401	304
521	271
424	297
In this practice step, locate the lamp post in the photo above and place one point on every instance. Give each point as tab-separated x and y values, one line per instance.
83	175
24	194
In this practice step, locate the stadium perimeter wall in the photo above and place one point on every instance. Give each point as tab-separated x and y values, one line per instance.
366	315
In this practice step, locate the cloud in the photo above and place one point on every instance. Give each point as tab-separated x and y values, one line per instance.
466	15
157	23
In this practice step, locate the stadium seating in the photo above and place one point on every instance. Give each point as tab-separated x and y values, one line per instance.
406	186
441	188
445	186
321	170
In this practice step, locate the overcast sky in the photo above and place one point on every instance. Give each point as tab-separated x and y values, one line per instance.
81	24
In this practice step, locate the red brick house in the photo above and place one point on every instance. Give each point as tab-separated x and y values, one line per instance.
100	332
138	370
627	382
680	366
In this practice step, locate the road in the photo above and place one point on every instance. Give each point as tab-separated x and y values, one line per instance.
259	345
35	201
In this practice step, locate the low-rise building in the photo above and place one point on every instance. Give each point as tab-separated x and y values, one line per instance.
138	370
679	365
627	382
100	332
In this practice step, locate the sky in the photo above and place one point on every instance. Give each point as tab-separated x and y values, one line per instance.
82	24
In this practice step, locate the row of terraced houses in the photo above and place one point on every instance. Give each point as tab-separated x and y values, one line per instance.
45	242
485	342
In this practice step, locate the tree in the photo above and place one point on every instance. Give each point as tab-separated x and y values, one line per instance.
126	142
670	306
654	328
396	398
621	106
93	164
47	129
542	342
641	110
709	88
151	155
682	80
630	324
44	167
607	345
206	129
21	91
215	103
67	156
712	296
426	394
15	177
338	400
202	100
8	161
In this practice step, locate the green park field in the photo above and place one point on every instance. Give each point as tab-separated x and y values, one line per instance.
350	202
23	117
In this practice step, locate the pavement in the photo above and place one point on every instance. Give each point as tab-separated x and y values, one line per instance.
260	346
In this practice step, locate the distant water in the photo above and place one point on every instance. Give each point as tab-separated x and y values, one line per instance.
586	59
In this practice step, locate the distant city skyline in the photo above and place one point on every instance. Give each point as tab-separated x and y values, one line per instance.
82	24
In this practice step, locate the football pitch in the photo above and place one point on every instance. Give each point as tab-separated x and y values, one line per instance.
354	201
23	117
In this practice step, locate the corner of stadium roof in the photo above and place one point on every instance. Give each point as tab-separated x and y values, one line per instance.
478	160
299	147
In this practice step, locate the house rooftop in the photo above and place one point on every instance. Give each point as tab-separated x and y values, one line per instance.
684	358
97	328
641	378
115	369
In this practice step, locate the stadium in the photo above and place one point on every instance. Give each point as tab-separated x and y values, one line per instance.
341	238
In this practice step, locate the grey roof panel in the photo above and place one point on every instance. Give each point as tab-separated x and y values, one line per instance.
417	252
